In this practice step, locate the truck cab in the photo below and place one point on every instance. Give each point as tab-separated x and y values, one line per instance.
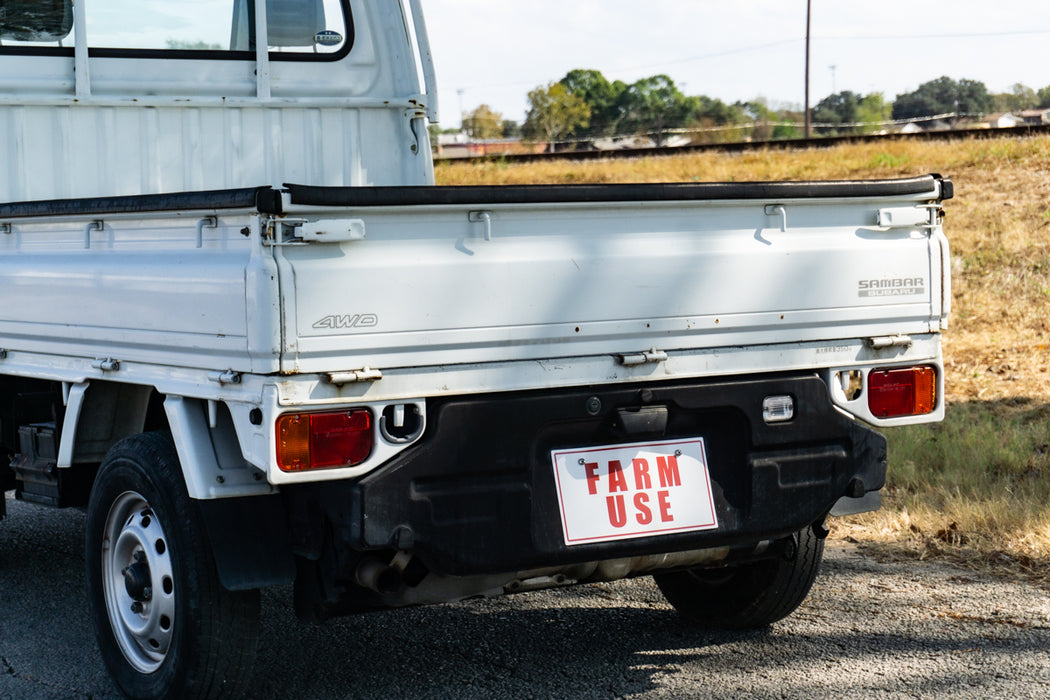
140	98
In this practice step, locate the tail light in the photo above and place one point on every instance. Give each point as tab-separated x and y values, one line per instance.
894	393
332	440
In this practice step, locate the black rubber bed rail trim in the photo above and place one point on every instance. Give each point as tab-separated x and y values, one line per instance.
265	199
553	194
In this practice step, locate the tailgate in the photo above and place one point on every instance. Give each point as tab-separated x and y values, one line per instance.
441	276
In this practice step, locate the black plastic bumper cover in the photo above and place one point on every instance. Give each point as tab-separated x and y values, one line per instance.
478	494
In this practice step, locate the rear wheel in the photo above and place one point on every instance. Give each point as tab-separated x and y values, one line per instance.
747	596
165	626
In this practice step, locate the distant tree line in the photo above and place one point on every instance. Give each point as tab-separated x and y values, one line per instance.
585	105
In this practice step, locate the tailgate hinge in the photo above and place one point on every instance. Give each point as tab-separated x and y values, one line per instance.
891	341
654	356
354	376
106	364
224	378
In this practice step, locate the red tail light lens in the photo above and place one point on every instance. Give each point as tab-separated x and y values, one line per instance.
902	392
308	441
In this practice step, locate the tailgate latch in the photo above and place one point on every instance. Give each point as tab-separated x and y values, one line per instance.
653	357
332	231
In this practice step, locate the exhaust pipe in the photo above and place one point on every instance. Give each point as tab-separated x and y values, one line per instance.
378	576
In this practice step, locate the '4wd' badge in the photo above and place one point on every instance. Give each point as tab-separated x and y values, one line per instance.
348	321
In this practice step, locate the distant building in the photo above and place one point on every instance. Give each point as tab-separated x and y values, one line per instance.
623	143
1003	121
1035	117
462	146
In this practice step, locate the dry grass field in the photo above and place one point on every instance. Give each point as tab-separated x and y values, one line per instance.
975	488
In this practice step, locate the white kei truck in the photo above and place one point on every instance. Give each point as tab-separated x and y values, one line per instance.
241	325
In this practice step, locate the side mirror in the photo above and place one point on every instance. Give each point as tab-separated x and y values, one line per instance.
289	23
36	20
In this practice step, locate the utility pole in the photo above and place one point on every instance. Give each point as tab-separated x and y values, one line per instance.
808	8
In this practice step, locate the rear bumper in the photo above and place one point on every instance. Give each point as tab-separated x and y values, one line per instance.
478	496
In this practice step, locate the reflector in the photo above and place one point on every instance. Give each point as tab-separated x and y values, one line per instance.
323	440
909	391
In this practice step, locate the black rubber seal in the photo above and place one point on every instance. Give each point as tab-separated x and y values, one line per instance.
265	199
554	194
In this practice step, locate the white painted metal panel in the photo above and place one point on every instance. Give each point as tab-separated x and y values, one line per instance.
425	287
55	152
138	290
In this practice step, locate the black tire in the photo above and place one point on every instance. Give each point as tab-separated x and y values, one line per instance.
165	626
748	596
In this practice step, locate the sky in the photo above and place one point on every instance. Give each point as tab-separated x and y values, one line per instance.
494	52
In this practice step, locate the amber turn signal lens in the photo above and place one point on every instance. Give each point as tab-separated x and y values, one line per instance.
330	440
896	393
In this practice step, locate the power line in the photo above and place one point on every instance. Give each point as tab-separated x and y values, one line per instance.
718	54
854	37
673	62
784	42
959	35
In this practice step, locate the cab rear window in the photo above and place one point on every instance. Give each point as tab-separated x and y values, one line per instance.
296	29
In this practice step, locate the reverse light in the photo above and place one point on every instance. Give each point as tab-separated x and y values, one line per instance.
895	393
778	409
330	440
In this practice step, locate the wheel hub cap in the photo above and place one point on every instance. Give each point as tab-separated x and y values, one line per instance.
138	582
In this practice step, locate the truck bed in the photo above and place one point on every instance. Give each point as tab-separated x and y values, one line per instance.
439	277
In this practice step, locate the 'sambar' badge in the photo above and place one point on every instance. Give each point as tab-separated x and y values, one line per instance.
893	287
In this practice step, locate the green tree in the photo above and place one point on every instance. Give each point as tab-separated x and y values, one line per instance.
840	108
714	111
555	113
872	111
511	129
757	111
1020	97
944	96
1043	97
483	123
787	130
767	123
602	96
653	105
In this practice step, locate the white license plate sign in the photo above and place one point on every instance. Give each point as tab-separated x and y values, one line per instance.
621	492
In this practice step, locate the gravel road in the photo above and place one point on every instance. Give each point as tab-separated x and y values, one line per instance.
869	630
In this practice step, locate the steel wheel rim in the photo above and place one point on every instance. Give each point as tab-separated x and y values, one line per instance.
138	582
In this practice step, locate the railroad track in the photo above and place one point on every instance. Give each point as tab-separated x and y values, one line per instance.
741	147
